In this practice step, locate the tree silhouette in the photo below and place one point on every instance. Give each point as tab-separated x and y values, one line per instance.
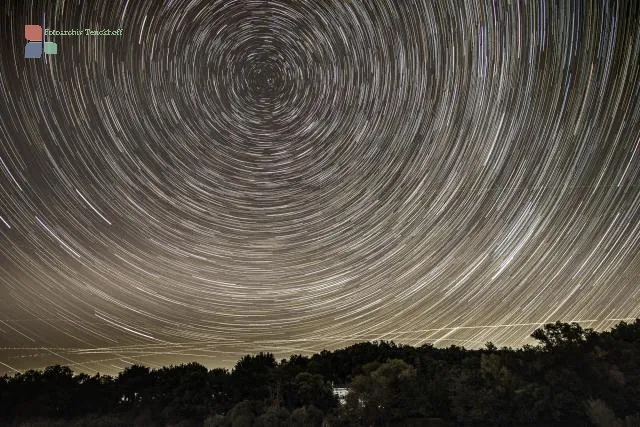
254	377
574	377
135	384
560	335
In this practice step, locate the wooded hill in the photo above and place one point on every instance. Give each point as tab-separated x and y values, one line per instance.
574	376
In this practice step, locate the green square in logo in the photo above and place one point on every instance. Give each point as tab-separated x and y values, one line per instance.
50	48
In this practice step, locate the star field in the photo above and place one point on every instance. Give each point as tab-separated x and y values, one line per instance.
229	177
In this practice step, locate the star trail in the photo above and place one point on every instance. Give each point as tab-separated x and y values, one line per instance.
227	177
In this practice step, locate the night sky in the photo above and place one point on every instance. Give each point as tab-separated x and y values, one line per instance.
229	177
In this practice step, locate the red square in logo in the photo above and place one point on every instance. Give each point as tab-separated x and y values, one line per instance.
33	33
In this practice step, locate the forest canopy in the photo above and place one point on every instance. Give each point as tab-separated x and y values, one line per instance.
574	376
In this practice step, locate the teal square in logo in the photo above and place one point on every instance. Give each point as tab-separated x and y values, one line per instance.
50	48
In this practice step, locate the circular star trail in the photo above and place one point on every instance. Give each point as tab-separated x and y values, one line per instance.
227	177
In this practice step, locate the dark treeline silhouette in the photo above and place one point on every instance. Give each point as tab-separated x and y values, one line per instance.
574	377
